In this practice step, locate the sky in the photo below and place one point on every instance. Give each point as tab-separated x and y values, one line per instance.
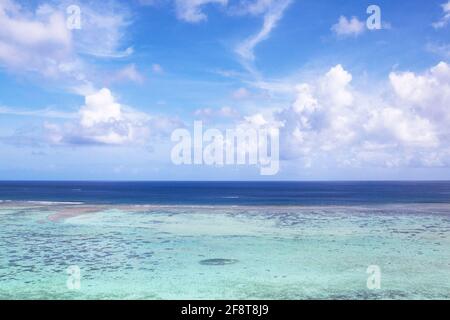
93	90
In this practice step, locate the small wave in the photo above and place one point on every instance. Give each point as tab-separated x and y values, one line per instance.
53	202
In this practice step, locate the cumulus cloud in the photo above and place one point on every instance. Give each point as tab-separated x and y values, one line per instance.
321	117
445	19
398	125
102	120
191	10
348	27
333	123
428	93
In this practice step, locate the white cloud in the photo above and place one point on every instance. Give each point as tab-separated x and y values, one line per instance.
129	73
335	87
442	50
102	31
241	93
345	27
40	42
33	41
44	113
191	10
103	120
331	123
273	11
256	120
428	93
99	108
321	118
255	7
445	19
398	125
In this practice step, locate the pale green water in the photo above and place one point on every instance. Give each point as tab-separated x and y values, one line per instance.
278	252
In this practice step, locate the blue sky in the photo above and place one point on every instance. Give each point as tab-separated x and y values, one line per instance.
100	102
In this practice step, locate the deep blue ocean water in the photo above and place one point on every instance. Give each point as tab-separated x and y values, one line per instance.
229	193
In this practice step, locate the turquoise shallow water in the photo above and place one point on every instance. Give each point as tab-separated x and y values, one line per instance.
269	252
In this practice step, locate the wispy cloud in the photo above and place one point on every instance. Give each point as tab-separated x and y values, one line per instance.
442	50
128	73
445	19
273	11
241	93
191	10
39	41
44	113
103	29
33	41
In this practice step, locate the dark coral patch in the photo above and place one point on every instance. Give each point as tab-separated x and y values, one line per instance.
218	262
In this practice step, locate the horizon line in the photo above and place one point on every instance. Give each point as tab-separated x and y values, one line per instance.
237	181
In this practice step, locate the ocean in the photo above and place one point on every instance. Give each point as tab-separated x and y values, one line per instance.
225	240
